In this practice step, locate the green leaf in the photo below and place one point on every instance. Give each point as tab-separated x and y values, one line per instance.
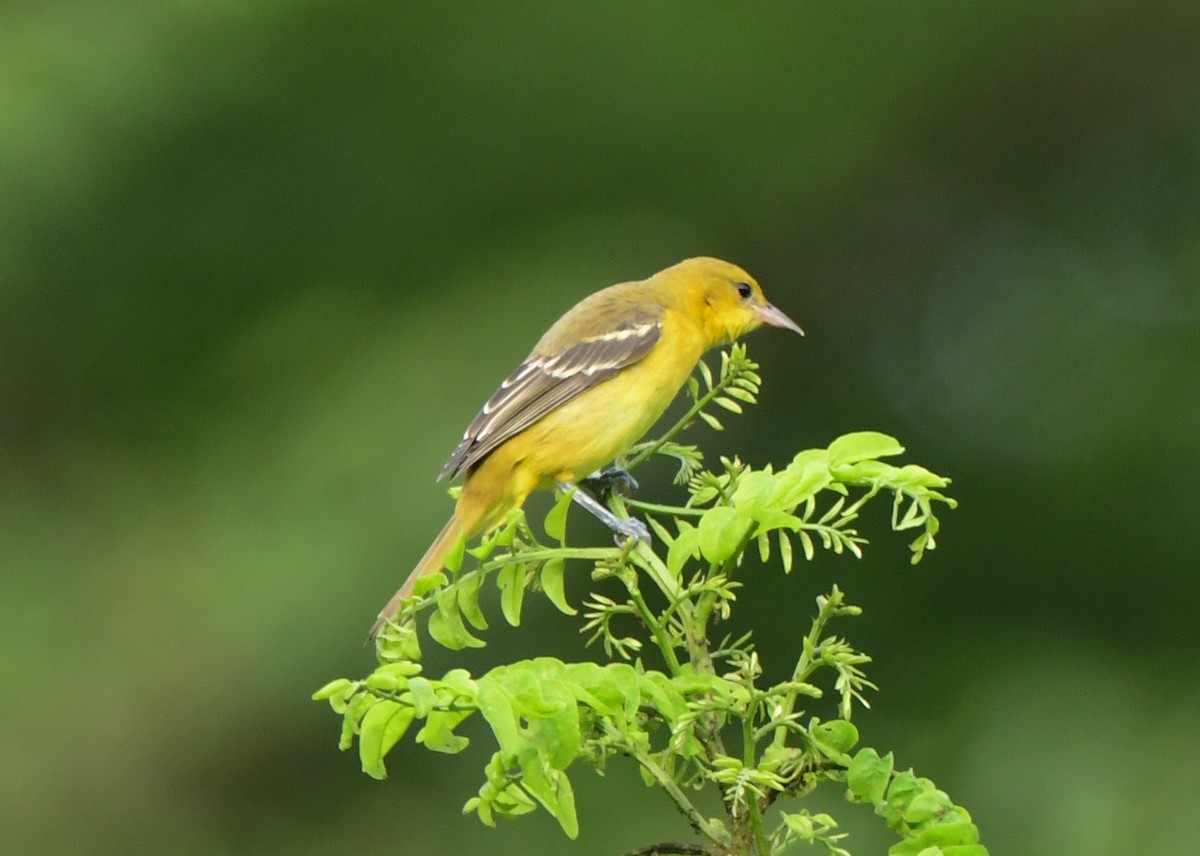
595	686
446	624
468	600
424	699
721	531
683	548
711	420
785	551
801	826
511	581
948	839
334	687
753	489
523	682
454	557
552	585
928	806
556	520
868	776
383	725
553	790
657	690
438	733
496	706
904	788
429	582
834	739
862	446
806	542
625	678
558	732
798	482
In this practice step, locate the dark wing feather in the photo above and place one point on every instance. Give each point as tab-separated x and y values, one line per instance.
544	382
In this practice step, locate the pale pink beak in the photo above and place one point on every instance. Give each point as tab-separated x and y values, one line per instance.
768	314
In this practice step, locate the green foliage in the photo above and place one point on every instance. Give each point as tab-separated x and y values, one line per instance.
692	712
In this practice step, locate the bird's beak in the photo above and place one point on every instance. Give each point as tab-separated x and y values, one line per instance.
768	314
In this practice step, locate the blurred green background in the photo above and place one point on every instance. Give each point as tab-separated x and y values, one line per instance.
260	263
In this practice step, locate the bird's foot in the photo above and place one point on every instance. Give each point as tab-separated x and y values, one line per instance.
611	480
630	530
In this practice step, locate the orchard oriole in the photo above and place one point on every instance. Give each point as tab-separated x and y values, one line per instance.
593	385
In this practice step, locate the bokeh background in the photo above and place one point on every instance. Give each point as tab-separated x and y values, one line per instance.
261	262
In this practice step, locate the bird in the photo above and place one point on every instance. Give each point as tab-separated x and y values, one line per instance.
594	384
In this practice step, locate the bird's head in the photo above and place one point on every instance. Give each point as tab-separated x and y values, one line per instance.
725	300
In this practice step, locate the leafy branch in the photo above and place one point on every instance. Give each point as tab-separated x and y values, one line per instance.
691	711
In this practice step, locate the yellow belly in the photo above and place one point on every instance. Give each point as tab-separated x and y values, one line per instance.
585	433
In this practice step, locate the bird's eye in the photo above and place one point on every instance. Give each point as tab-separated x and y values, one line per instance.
744	289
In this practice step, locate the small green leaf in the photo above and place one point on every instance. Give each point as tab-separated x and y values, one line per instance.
785	551
446	624
428	583
383	725
806	542
930	805
801	826
728	403
711	420
454	557
951	839
721	531
552	585
556	520
553	790
423	697
798	482
497	708
511	580
468	600
753	489
559	732
904	788
332	688
862	446
438	733
868	776
683	548
834	739
625	678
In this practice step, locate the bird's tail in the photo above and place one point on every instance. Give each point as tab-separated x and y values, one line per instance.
430	563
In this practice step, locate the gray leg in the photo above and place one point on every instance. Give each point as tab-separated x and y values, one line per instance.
624	527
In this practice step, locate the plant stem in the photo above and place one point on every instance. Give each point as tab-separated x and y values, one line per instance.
670	510
750	759
806	665
712	831
655	627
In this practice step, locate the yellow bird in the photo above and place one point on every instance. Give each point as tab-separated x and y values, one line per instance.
594	384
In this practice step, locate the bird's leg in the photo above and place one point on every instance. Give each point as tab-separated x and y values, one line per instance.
624	527
611	480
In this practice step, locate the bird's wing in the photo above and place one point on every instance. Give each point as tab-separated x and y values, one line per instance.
544	382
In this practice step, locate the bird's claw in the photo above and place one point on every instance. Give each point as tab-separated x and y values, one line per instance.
611	480
630	530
